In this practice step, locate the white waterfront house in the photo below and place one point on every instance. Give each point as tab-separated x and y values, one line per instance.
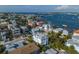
39	37
74	41
64	32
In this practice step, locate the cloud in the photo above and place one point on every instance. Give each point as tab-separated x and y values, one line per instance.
63	7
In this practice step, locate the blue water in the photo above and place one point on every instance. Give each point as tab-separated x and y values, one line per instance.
72	21
59	19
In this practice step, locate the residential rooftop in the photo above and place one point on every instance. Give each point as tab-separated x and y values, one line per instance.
76	31
30	48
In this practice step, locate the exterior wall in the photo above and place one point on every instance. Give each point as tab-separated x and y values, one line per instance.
36	39
40	40
16	31
3	36
75	34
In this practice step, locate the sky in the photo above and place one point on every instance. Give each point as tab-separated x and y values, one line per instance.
39	8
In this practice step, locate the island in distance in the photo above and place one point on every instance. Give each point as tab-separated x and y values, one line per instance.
39	33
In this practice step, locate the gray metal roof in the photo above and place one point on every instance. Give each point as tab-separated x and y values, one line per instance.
51	51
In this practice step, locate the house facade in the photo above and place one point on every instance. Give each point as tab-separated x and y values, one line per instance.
40	37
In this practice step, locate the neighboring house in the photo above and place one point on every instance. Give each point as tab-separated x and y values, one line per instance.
3	35
47	27
15	31
76	33
29	17
2	20
44	27
57	30
24	29
11	45
64	32
50	51
34	30
74	41
4	23
39	23
13	22
31	48
31	22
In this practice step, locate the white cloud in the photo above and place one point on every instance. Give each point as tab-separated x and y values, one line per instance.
63	7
